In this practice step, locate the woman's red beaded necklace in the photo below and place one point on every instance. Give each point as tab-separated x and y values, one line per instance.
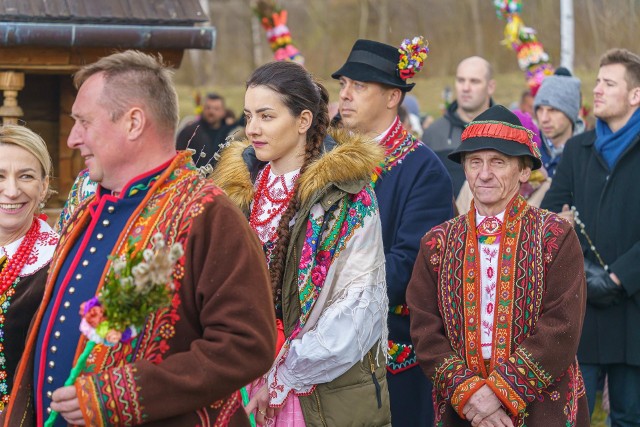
263	191
14	265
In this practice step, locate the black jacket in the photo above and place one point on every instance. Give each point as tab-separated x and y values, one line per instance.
443	136
205	140
608	202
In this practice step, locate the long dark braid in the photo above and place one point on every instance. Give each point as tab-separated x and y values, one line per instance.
298	91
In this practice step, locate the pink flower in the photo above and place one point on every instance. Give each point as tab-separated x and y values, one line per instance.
305	256
309	232
94	316
364	197
344	229
113	337
318	274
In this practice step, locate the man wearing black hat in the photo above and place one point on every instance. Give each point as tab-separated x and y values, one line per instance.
497	296
414	193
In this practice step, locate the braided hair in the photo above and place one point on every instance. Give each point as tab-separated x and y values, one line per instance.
298	91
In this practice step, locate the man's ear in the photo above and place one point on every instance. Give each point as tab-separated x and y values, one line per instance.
394	95
634	97
135	122
525	174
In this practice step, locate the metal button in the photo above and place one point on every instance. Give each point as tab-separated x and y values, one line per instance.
49	379
53	349
67	304
72	290
92	250
49	394
105	223
110	209
52	364
78	276
99	236
48	410
62	318
56	334
85	262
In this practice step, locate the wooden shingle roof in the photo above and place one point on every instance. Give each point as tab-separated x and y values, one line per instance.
120	12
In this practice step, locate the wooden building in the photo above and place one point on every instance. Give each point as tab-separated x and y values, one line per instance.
43	42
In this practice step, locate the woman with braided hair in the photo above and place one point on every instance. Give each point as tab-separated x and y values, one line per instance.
306	192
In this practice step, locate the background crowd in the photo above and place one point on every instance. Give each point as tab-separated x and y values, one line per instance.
348	264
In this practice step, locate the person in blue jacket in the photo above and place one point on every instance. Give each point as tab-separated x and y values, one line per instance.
414	192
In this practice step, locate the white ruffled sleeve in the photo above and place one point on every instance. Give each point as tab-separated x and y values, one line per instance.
350	316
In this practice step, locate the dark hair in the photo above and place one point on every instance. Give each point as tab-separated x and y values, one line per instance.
212	96
629	60
298	91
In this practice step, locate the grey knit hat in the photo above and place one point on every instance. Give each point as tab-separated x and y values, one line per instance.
562	93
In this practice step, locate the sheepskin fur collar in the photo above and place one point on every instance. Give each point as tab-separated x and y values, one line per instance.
353	159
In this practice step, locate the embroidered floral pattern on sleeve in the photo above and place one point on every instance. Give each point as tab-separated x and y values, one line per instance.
111	397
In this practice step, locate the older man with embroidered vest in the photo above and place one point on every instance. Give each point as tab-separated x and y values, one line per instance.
414	193
497	296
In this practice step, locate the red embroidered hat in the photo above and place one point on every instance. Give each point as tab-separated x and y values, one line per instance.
498	129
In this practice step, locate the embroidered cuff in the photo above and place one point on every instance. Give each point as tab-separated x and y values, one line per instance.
518	381
507	395
280	387
449	375
120	396
463	392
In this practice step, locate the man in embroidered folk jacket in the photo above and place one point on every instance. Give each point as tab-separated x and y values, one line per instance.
497	296
414	193
188	362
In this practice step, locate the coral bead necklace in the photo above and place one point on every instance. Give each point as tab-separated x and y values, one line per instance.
262	193
14	265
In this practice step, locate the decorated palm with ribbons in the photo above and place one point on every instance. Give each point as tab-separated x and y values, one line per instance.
137	285
274	20
532	58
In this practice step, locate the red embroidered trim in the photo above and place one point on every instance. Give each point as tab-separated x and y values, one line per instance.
502	340
495	129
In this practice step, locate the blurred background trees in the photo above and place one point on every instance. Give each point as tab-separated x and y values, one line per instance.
324	31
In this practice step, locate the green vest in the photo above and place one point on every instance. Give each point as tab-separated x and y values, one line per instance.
354	398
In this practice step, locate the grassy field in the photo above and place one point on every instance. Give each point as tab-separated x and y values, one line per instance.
428	90
599	416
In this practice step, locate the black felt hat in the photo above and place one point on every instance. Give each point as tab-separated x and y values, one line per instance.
498	129
371	61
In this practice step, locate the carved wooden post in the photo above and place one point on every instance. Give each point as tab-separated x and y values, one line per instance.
11	82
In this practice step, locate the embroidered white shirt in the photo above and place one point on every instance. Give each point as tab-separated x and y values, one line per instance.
42	250
488	283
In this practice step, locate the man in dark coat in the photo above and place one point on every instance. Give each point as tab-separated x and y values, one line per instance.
208	133
414	193
598	175
474	87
